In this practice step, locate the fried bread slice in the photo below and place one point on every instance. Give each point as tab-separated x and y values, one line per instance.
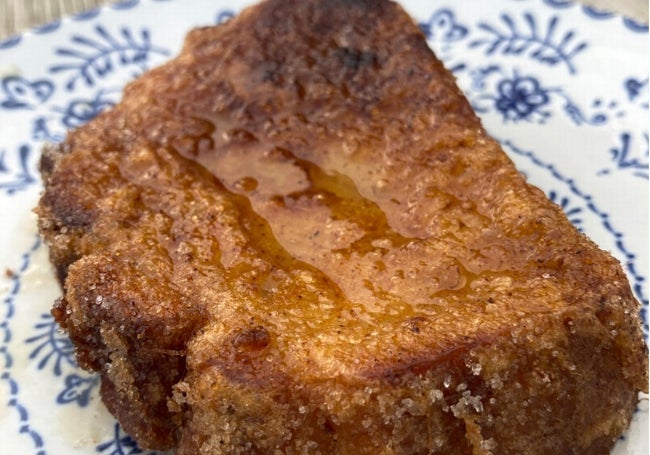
296	237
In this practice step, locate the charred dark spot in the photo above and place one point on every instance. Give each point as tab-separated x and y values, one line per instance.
329	426
415	324
271	72
355	59
252	339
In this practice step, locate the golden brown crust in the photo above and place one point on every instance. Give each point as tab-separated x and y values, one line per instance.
297	236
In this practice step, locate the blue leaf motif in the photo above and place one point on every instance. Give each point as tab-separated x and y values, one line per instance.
559	3
121	444
624	157
579	117
21	93
78	112
573	213
41	131
16	174
51	345
92	58
595	13
77	389
81	110
531	40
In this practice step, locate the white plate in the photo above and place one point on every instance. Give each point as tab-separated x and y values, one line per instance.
565	88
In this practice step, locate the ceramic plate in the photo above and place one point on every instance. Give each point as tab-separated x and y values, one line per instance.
563	87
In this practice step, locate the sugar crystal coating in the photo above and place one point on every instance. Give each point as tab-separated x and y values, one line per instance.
296	237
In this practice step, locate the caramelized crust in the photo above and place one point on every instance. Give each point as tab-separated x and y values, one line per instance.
296	237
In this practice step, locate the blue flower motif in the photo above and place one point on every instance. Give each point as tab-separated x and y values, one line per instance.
442	26
518	98
77	389
21	93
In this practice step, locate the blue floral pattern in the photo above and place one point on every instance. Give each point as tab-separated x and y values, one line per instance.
52	348
92	58
51	345
16	170
120	444
622	157
77	389
442	26
523	96
80	111
637	91
520	97
86	61
518	65
573	211
13	387
531	39
51	126
20	93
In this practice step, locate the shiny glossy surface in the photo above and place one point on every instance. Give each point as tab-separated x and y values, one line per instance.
290	230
